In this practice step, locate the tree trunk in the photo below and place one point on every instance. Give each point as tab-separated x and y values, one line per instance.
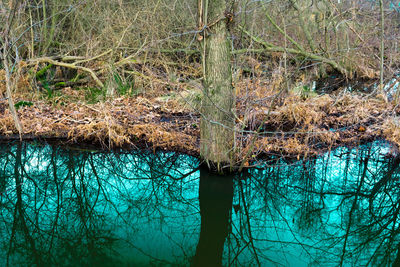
217	122
5	38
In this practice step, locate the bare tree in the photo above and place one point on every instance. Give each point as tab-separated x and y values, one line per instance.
216	130
7	20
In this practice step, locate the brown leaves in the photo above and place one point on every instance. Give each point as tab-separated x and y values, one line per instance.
122	122
391	130
292	125
162	137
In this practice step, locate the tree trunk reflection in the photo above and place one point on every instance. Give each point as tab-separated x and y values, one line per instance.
216	195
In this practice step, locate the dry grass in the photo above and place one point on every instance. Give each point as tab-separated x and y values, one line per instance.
294	126
391	130
291	123
304	127
163	137
302	113
122	122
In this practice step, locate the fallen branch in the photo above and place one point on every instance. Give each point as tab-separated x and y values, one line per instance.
93	58
71	66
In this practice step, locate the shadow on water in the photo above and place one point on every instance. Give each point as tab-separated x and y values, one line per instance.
65	207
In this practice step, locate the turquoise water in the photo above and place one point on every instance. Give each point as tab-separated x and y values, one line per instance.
69	207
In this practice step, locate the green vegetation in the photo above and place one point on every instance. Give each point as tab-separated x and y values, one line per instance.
124	88
23	104
94	94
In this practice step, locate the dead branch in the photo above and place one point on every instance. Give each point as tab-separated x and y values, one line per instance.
269	47
71	66
303	25
93	58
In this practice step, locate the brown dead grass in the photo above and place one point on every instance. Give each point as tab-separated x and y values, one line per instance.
163	137
2	82
302	113
291	125
123	122
316	124
391	130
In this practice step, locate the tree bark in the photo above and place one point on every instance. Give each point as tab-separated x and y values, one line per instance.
9	97
5	38
382	49
217	122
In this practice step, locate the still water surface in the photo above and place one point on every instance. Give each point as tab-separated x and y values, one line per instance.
66	207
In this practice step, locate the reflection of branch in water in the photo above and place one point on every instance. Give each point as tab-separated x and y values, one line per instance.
125	198
248	223
73	199
291	189
353	207
294	235
19	215
396	262
58	208
383	182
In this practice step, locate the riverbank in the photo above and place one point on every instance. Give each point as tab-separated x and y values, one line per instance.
289	126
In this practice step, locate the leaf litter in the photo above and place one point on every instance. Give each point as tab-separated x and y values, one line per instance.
268	123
